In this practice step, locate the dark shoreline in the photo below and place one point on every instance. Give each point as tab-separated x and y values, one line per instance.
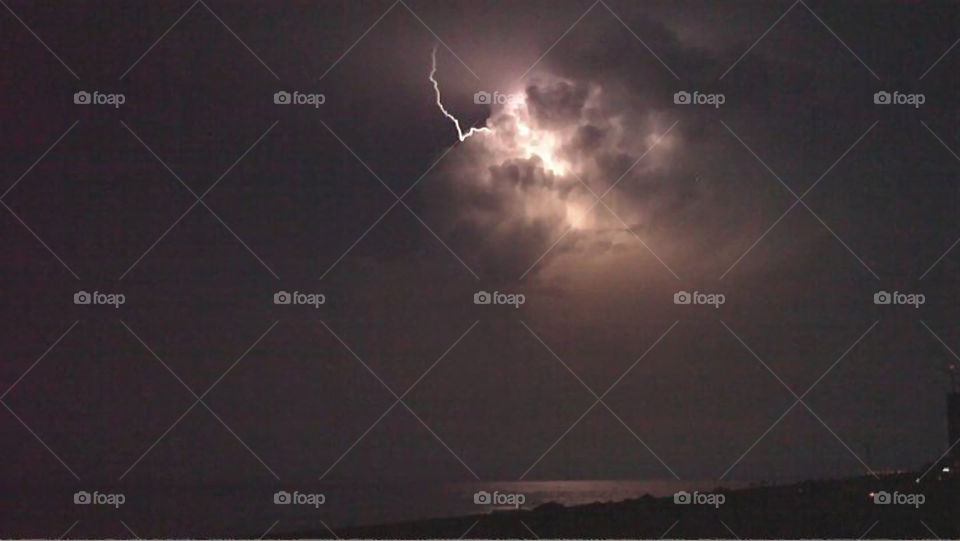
811	509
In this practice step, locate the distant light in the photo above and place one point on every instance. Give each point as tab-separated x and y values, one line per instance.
946	469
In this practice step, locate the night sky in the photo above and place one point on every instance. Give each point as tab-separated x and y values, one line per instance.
798	199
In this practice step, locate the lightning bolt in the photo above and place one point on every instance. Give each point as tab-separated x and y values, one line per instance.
436	89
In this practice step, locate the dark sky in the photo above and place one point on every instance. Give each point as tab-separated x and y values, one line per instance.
299	197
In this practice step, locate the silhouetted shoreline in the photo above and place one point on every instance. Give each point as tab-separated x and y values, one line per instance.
843	508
